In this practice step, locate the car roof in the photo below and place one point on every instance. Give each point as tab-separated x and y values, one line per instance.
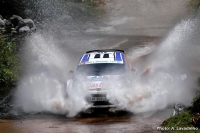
102	56
106	50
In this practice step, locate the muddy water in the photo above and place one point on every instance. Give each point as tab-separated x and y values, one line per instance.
109	124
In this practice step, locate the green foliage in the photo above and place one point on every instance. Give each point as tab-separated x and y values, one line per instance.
196	104
9	67
193	6
188	118
181	120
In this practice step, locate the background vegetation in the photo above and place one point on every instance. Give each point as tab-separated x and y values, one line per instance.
189	118
193	6
9	66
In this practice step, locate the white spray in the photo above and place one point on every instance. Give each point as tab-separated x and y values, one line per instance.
43	88
168	78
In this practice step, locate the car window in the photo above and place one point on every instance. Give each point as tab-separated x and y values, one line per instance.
101	69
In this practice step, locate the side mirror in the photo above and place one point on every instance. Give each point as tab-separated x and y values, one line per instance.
71	71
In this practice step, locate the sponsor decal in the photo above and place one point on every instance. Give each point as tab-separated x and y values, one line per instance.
95	85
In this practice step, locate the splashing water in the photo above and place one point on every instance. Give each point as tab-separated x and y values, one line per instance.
169	80
43	87
169	77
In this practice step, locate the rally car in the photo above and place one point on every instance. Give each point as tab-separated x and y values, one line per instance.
95	74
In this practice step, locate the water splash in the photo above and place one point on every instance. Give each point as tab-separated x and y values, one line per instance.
43	88
168	81
47	61
169	77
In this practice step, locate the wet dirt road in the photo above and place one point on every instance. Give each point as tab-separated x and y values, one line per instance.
104	124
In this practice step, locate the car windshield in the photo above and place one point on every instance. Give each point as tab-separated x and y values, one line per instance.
101	69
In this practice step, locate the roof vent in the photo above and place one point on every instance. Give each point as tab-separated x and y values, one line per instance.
106	56
97	56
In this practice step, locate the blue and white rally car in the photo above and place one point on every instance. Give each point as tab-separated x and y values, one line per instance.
95	74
